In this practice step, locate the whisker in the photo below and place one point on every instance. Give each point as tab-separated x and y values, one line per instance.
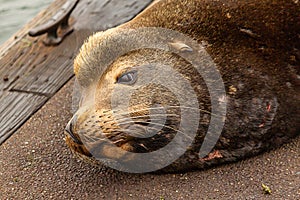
142	145
162	125
135	111
142	116
127	130
120	141
116	114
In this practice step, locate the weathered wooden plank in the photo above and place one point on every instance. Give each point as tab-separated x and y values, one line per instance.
48	71
55	64
31	73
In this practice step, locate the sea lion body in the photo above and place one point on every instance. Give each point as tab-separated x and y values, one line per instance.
256	48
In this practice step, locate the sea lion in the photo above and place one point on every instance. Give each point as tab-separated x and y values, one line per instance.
255	46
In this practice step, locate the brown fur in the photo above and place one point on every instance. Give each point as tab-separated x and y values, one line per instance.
256	47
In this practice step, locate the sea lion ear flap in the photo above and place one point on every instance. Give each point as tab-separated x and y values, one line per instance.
180	46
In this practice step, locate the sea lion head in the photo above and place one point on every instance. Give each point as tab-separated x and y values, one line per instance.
126	102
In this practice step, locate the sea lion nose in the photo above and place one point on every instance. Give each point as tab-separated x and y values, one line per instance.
70	130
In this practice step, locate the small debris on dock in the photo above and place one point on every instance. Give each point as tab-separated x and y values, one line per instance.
266	189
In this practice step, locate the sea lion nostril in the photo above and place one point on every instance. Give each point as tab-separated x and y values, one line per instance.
70	130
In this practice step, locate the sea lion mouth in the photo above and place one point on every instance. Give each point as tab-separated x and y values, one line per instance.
77	149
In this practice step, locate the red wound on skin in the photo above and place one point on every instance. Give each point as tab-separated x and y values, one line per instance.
213	155
268	110
269	107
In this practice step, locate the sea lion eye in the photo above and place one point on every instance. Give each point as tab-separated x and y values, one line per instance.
128	78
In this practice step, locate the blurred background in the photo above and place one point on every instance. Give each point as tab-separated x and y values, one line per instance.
15	13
